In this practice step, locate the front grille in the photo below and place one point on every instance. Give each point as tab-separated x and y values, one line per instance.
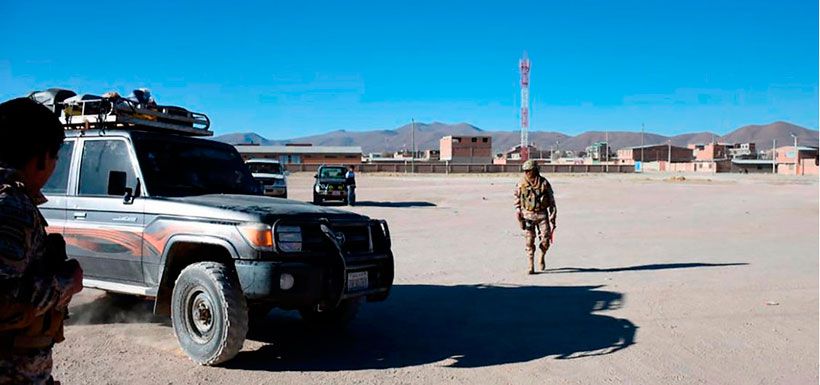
356	238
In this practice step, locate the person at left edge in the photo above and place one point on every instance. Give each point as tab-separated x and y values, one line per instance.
36	283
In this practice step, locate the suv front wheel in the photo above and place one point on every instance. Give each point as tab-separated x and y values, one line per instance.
209	313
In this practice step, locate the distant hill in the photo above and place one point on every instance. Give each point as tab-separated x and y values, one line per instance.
762	135
617	139
244	138
427	137
697	138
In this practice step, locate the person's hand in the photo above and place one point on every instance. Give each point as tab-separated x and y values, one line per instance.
519	216
71	275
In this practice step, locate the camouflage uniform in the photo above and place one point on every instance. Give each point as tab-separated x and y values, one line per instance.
536	203
30	322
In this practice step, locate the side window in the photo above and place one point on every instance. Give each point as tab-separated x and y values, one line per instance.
58	183
99	158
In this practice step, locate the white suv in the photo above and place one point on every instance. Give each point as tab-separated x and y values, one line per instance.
271	175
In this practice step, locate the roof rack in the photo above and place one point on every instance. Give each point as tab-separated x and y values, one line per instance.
119	113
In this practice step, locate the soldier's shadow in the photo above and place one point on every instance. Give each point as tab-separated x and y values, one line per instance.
458	326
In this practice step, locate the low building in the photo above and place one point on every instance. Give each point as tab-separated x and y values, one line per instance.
654	153
743	151
753	166
599	152
513	155
431	155
467	149
803	161
304	154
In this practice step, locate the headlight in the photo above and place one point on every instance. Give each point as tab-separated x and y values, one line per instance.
257	234
289	238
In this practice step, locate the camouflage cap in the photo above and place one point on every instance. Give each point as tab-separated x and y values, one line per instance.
529	165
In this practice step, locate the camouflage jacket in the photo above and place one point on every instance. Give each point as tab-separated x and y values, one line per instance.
535	199
26	292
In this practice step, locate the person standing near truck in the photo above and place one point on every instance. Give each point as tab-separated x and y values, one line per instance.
36	283
350	182
535	210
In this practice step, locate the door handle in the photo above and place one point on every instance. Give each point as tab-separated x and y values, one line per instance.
79	215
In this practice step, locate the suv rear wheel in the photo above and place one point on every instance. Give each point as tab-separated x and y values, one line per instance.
209	313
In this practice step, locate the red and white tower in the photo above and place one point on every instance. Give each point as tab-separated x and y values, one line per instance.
524	67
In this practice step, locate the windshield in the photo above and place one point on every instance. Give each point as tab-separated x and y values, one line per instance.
265	168
332	172
176	168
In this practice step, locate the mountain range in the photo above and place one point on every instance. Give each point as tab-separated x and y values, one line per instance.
427	137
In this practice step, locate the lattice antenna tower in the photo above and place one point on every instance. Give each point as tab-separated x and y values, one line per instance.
524	68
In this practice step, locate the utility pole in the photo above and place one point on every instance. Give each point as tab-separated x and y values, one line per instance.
642	145
669	158
413	139
774	156
606	148
796	154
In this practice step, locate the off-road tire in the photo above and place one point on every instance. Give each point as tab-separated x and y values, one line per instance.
338	317
317	200
216	331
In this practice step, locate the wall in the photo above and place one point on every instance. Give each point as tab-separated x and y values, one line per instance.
450	168
311	159
809	167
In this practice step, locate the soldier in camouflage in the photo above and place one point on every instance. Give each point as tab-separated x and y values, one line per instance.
34	292
535	211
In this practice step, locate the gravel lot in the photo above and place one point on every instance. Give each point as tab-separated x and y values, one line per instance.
712	280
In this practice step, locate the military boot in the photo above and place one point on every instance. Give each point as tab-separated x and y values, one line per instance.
541	265
532	267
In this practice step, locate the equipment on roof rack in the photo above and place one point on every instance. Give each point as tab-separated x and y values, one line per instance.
111	111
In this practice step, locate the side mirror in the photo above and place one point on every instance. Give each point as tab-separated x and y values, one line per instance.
316	176
116	183
116	186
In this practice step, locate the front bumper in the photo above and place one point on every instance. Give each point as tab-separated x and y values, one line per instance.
332	195
313	283
276	191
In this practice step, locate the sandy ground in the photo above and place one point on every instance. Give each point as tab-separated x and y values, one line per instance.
712	280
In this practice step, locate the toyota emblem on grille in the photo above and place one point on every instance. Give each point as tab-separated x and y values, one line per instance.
340	237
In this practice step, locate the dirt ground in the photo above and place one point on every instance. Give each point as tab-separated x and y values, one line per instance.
709	280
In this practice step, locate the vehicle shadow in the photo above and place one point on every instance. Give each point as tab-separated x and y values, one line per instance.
656	266
382	204
395	204
463	326
115	309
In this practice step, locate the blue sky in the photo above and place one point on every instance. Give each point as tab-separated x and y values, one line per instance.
288	69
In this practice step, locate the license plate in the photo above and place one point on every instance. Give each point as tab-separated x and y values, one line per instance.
357	280
337	193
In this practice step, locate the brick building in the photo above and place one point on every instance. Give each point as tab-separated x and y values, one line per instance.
806	159
304	154
654	153
710	151
467	149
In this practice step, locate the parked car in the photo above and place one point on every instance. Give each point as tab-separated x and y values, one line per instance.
271	175
329	184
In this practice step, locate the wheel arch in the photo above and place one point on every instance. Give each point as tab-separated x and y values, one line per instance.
184	250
